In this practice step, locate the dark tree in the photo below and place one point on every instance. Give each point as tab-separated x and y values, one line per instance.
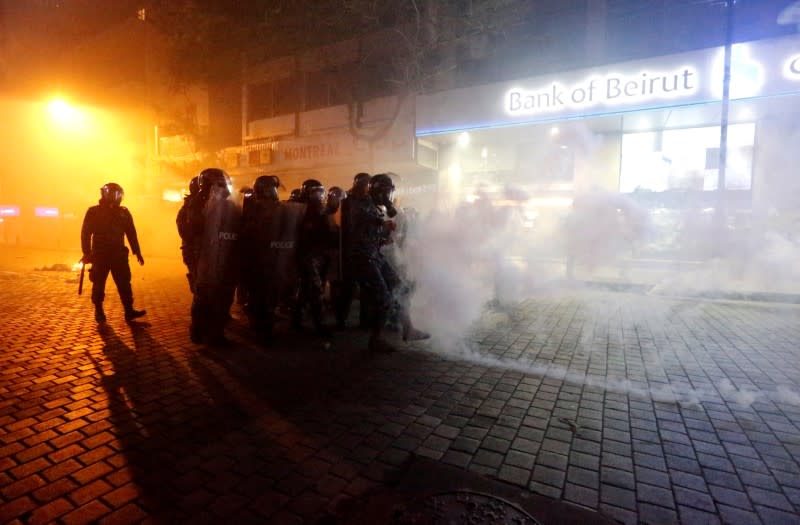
404	46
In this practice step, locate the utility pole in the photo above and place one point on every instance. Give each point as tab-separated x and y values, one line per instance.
720	211
151	133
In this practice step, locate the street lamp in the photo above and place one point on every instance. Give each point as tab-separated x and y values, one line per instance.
65	115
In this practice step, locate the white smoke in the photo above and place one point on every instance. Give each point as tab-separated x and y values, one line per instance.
451	258
481	251
674	394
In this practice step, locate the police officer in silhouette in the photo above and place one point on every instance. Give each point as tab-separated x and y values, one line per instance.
217	258
378	281
260	267
315	239
344	288
102	240
187	230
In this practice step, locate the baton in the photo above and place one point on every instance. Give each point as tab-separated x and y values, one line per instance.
80	282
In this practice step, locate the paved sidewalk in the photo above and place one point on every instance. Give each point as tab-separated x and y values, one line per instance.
648	409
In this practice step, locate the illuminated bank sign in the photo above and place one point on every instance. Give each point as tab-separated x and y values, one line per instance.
758	69
609	90
791	68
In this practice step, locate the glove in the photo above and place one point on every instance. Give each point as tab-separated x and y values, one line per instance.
86	259
140	259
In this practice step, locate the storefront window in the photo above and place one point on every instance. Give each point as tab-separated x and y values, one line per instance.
686	159
545	162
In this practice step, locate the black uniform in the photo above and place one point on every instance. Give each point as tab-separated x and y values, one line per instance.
102	237
190	226
376	278
260	220
343	293
315	239
217	269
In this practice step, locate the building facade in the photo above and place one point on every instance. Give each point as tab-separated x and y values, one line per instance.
641	135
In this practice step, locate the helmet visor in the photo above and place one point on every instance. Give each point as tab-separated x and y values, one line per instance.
316	194
112	194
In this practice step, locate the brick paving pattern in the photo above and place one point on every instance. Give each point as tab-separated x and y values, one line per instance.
135	423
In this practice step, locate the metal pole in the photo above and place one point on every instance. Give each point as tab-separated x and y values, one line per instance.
720	212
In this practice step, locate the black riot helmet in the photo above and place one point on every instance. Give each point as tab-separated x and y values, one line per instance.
112	194
294	196
381	189
360	184
266	187
194	185
335	197
211	177
312	190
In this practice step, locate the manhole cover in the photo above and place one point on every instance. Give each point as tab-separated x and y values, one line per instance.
460	507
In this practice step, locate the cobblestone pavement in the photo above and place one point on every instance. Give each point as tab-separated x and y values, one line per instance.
647	409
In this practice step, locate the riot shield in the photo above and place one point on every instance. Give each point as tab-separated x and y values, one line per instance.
278	241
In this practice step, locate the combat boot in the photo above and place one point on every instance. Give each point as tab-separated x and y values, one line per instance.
131	314
99	314
410	333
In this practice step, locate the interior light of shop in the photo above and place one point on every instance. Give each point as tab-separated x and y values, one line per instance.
550	202
554	131
463	139
46	212
454	173
9	211
484	153
563	146
172	196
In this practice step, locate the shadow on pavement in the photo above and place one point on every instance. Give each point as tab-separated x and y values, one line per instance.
248	434
174	436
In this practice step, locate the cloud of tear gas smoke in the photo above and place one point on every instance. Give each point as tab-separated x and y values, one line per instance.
484	250
480	252
759	250
450	257
677	394
490	248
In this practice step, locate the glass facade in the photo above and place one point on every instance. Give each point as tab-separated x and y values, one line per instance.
638	178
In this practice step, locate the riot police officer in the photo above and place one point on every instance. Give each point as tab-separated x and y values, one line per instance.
296	195
343	289
260	219
377	279
188	230
314	240
102	240
217	257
